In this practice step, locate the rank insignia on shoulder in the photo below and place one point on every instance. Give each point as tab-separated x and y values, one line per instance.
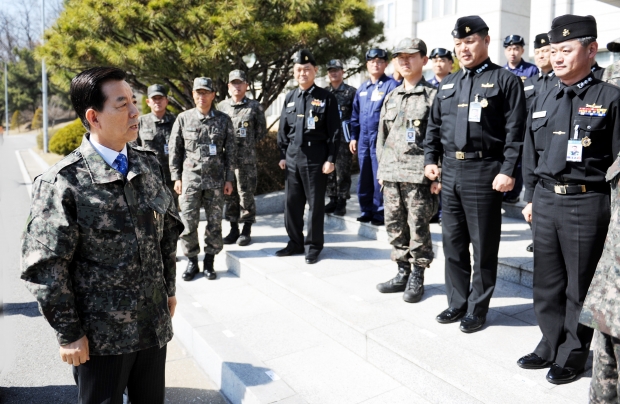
592	110
318	103
484	103
447	86
488	85
416	122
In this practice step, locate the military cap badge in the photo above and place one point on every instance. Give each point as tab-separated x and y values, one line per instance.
467	29
565	32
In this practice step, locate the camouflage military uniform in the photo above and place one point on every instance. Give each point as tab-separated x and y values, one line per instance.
601	308
203	174
248	118
409	204
98	251
339	180
612	73
154	134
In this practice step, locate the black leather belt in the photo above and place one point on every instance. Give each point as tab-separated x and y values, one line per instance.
459	155
571	189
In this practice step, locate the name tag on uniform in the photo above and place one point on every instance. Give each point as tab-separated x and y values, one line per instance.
575	150
290	104
539	114
166	149
447	86
242	132
376	95
528	88
410	135
363	93
475	111
212	149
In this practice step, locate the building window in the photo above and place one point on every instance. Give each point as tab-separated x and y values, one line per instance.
385	12
437	8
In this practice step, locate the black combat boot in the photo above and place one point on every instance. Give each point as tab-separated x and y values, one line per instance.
244	238
415	286
399	282
233	235
192	269
331	206
208	267
341	207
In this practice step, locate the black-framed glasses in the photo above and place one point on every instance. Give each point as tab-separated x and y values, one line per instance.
376	53
440	53
514	40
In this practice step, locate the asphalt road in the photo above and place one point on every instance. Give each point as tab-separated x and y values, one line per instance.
30	368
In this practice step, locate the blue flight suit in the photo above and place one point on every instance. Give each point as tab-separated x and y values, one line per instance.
364	128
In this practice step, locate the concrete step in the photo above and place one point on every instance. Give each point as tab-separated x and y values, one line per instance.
330	337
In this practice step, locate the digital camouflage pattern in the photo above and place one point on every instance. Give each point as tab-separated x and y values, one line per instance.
401	160
339	180
154	134
408	211
604	386
98	252
202	174
612	74
247	116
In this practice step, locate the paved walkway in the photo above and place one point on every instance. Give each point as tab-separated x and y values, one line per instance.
277	330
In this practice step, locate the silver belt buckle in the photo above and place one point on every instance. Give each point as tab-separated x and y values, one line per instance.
460	155
560	189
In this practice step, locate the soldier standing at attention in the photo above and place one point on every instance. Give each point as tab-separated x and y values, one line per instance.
572	136
442	65
99	249
339	181
248	118
408	195
612	72
476	124
308	139
154	130
364	127
203	159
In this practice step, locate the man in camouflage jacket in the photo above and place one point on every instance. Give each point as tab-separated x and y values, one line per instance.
612	72
248	118
99	248
339	181
409	199
154	130
203	160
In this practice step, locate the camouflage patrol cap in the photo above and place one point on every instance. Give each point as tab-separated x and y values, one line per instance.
335	64
236	75
409	45
204	83
156	89
614	46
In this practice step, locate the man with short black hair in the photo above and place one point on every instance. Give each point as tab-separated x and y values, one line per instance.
99	249
514	47
476	126
572	137
442	65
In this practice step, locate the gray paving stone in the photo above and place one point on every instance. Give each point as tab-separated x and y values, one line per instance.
401	395
330	374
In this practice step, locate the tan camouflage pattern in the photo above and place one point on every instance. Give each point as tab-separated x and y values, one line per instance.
240	205
249	115
612	74
339	180
98	251
400	161
190	159
408	209
604	387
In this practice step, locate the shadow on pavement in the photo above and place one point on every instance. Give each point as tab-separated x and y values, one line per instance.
30	309
39	395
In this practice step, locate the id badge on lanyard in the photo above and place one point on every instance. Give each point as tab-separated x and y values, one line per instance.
475	110
311	121
574	152
410	134
212	149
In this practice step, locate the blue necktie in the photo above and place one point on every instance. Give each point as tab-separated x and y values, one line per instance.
121	164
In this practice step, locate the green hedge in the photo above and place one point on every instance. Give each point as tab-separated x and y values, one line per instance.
67	138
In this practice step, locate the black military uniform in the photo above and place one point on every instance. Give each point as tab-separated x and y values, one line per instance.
597	71
541	82
476	125
572	137
309	136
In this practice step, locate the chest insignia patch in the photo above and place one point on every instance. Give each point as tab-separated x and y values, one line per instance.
592	110
318	103
488	85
